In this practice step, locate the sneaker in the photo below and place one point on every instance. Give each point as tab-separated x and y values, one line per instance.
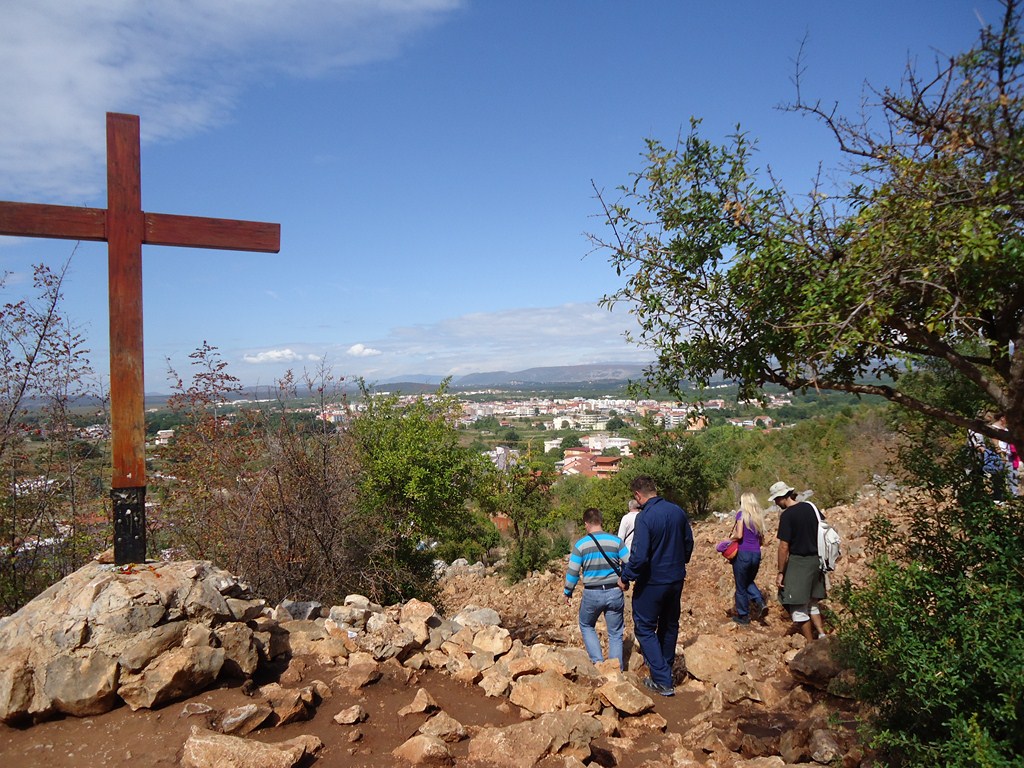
659	689
741	619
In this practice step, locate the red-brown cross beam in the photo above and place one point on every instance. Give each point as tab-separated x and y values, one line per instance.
126	227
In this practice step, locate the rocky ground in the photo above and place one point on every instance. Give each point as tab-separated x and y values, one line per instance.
747	695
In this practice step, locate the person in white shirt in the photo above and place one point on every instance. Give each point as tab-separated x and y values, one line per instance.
628	523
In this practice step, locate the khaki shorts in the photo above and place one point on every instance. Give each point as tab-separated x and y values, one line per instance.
803	581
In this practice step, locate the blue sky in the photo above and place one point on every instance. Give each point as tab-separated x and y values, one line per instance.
430	161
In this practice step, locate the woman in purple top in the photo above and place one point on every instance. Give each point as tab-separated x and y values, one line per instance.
748	530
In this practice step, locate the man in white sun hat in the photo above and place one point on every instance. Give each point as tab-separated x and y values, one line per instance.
800	580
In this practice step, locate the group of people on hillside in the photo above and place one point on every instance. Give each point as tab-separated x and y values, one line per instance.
1000	460
661	542
650	554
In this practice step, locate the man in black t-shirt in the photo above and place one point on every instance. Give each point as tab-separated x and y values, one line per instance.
800	580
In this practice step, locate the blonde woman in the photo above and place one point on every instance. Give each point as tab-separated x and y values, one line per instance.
748	530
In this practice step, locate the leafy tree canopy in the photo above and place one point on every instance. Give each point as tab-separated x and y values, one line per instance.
571	441
576	493
522	492
915	252
688	469
415	473
615	424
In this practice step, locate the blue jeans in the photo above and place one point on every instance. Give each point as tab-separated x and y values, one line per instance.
656	609
744	570
611	603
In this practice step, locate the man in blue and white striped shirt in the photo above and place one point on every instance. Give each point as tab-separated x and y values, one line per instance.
596	560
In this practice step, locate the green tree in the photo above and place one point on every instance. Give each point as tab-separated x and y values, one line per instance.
576	493
614	424
936	635
163	419
522	492
688	469
472	537
305	510
571	441
916	250
832	455
955	554
416	475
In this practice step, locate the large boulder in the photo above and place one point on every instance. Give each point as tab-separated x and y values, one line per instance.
174	675
387	639
81	684
418	618
422	749
147	634
149	644
475	617
710	658
548	692
206	749
17	686
524	745
625	697
815	664
445	727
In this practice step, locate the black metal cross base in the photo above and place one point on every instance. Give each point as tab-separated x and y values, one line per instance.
129	524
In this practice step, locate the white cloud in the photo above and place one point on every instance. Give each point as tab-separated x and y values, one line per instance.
276	356
181	64
511	340
361	350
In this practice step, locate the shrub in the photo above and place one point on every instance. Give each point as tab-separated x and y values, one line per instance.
52	480
689	469
936	638
305	510
529	554
473	540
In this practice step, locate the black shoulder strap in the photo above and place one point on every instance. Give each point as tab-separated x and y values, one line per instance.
615	568
629	531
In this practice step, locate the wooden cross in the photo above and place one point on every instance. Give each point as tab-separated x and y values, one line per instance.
126	227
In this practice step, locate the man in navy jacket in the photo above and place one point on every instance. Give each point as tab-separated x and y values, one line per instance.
662	545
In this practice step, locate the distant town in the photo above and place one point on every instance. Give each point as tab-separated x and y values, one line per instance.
600	450
590	414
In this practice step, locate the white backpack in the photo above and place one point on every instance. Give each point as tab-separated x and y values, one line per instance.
828	543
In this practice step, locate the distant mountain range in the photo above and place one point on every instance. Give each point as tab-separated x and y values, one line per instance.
548	375
602	375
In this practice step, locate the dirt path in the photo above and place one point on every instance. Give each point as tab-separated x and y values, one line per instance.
534	612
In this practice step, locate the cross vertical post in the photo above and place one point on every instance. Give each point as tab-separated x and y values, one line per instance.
126	228
125	225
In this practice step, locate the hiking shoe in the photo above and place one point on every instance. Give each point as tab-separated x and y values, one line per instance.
659	689
758	610
741	619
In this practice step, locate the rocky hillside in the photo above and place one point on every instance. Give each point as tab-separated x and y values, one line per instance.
177	664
